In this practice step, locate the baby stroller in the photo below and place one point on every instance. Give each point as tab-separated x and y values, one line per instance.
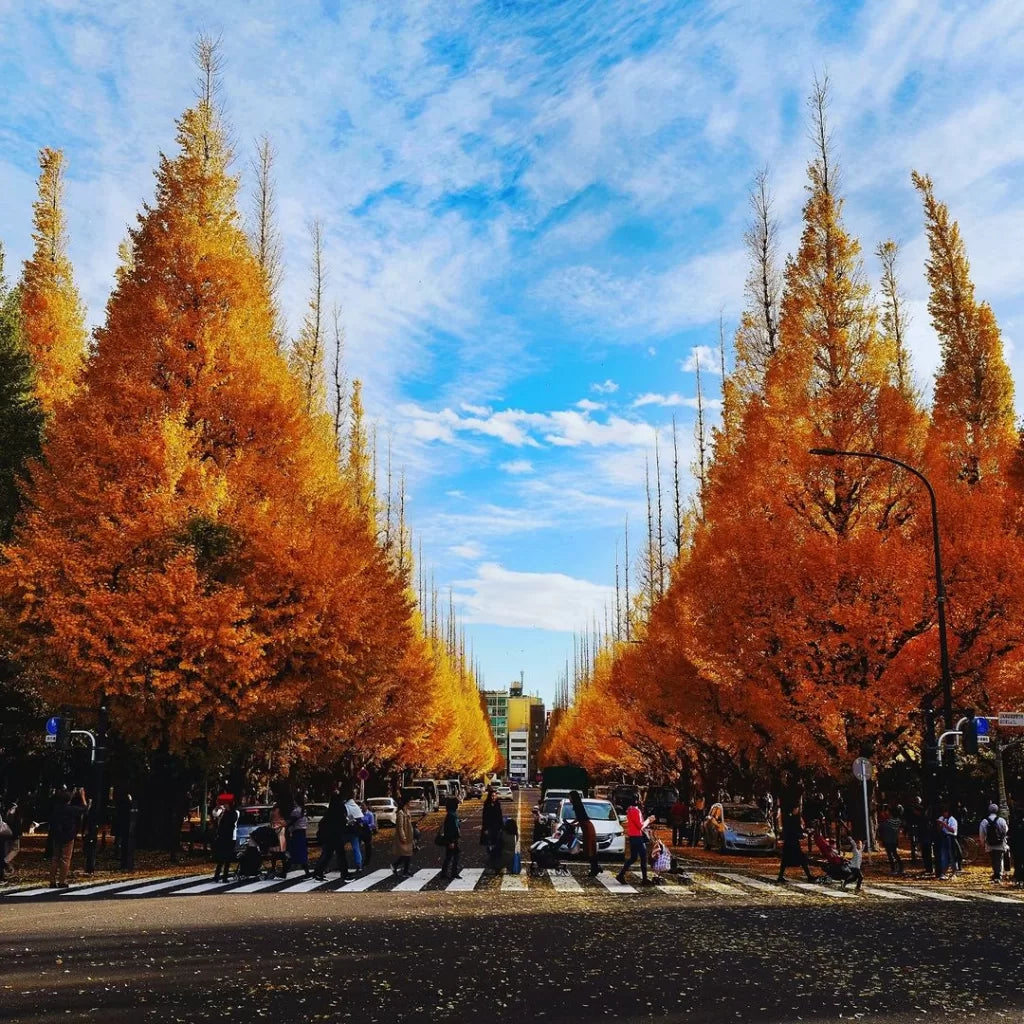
835	866
546	853
262	842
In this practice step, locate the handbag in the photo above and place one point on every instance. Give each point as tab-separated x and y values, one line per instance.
517	863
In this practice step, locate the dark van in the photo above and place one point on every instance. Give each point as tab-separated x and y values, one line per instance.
660	800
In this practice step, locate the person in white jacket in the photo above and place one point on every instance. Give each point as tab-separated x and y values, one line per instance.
992	832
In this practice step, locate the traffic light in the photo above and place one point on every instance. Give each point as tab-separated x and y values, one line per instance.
63	732
969	735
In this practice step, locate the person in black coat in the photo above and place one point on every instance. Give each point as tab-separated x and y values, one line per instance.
450	832
793	855
333	834
493	822
224	841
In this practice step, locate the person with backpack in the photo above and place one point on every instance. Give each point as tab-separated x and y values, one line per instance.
992	832
889	836
332	835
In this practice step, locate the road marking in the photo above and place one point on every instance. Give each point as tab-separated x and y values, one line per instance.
885	894
306	885
418	880
36	892
364	883
145	890
613	885
677	889
991	897
564	883
467	881
703	882
209	886
109	886
821	889
513	883
759	886
263	883
929	894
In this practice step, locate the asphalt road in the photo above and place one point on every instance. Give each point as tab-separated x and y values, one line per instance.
495	956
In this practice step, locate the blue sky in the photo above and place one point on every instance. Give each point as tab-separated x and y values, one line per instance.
534	216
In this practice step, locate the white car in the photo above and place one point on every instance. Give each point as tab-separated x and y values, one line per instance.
503	792
611	838
384	808
314	815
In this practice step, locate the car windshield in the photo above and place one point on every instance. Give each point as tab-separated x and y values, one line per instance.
412	794
254	816
745	814
552	806
597	810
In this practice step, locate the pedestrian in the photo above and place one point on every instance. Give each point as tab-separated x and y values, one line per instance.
448	837
889	836
297	833
588	834
793	855
856	864
992	832
679	818
225	840
914	821
945	828
696	819
331	834
404	839
127	816
492	823
64	827
635	825
14	819
368	826
353	832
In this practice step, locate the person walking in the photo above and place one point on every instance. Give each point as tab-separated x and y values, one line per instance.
297	833
914	822
992	832
945	829
368	826
588	834
635	825
224	840
64	828
10	846
793	855
448	837
889	836
856	864
352	832
493	820
696	818
332	832
403	841
679	818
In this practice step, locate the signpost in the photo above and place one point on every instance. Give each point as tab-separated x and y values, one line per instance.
862	771
1011	719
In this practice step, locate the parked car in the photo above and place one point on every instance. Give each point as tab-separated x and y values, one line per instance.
602	792
314	815
417	802
248	819
732	828
556	794
384	808
474	792
443	792
514	785
611	838
622	795
659	800
430	794
455	789
503	792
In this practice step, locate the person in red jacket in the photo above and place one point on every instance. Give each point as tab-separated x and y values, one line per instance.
635	825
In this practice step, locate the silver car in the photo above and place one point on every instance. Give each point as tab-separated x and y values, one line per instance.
735	828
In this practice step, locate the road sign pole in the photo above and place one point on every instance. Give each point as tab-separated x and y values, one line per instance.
867	815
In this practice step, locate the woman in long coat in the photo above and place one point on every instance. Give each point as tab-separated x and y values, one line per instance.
493	820
403	841
793	855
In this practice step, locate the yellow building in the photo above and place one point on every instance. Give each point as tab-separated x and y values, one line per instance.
519	712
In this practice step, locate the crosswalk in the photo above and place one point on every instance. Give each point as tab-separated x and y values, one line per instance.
701	883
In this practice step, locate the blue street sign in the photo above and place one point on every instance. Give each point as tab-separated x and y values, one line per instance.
982	726
51	726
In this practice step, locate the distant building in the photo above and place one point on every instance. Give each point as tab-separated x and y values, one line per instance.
497	711
518	724
518	754
538	732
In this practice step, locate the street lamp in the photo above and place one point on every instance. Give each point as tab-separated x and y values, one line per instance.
940	587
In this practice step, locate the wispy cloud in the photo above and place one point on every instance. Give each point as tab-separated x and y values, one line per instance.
606	387
517	467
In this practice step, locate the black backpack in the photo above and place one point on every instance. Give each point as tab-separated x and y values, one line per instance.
995	831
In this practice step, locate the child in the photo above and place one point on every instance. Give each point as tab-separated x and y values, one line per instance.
856	857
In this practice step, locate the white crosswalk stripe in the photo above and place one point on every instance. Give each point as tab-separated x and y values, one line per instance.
195	890
613	885
992	897
564	883
466	882
768	888
885	894
418	880
706	882
145	890
513	883
366	882
263	883
306	885
821	889
928	894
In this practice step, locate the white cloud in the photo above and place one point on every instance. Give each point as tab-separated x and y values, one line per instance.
674	400
703	356
607	387
651	350
469	551
517	467
588	406
548	601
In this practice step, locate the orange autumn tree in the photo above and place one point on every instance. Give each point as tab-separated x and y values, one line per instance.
189	550
970	457
52	316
